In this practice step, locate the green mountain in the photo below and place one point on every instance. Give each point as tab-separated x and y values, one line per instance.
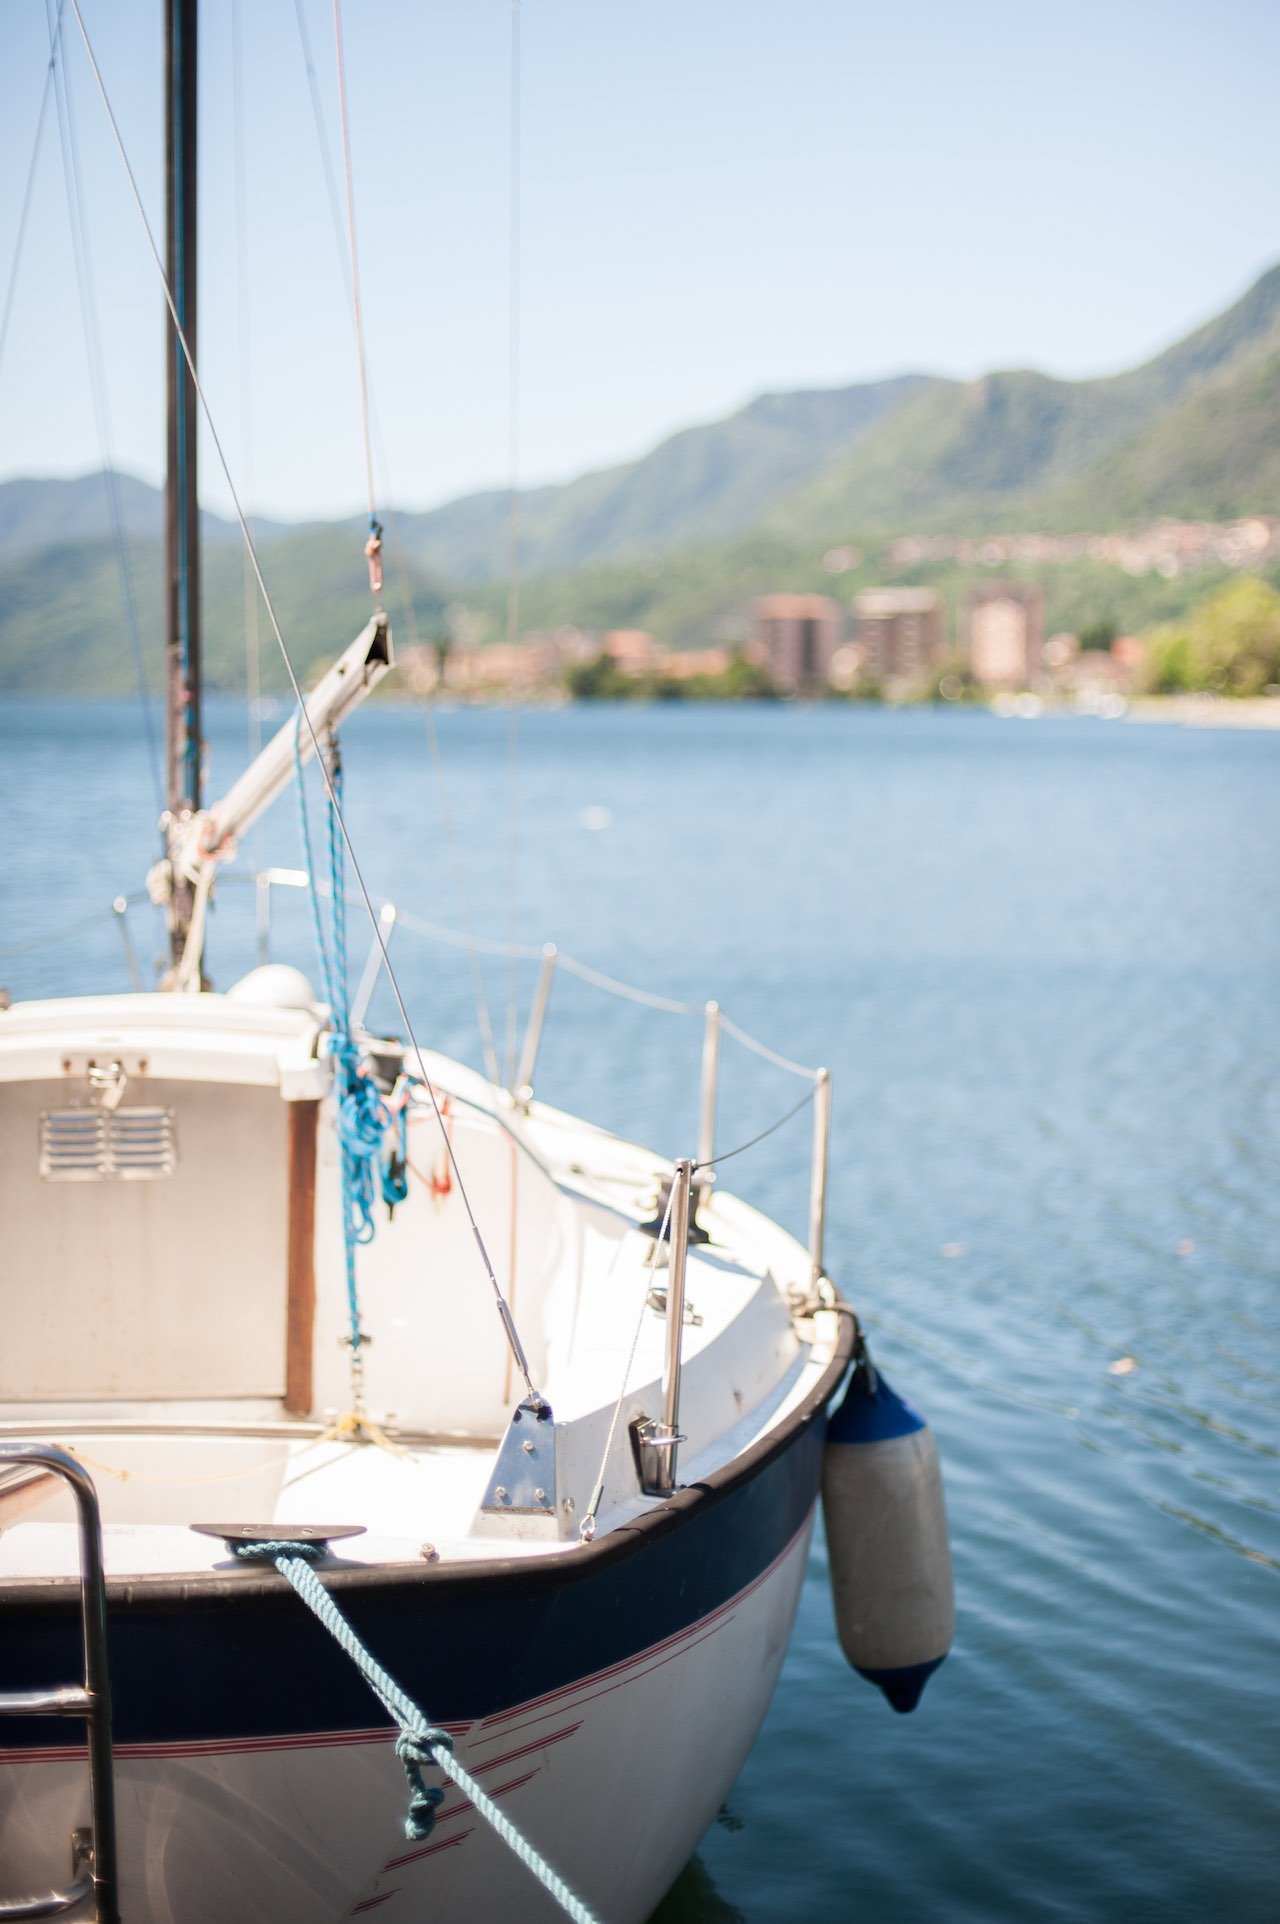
680	540
1008	448
954	452
38	514
916	451
707	483
1216	457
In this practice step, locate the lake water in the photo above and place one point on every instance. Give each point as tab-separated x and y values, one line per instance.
1042	960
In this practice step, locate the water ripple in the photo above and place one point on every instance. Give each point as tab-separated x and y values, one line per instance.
1041	964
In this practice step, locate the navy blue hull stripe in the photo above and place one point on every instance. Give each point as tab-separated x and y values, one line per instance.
506	1724
207	1664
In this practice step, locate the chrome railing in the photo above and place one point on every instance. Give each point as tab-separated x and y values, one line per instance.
658	1443
551	960
709	1091
523	1091
93	1852
818	1175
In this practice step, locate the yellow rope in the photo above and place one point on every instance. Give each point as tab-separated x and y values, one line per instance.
354	1424
146	1476
350	1427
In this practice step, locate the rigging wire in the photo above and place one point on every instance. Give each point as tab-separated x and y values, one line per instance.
252	639
484	1021
513	542
487	1042
26	196
335	802
326	157
87	291
472	943
373	548
587	1527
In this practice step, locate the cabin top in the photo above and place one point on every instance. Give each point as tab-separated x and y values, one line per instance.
205	1038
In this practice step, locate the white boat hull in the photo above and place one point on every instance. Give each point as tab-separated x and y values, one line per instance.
614	1777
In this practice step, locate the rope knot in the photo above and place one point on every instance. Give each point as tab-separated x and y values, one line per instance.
416	1749
373	555
419	1744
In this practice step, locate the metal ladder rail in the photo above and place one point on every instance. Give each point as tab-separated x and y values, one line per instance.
93	1852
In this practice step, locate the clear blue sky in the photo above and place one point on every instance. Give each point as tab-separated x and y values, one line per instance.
719	197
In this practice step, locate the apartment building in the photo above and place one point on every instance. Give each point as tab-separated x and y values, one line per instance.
900	633
795	637
1004	633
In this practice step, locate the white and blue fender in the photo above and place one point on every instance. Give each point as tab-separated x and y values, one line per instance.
887	1541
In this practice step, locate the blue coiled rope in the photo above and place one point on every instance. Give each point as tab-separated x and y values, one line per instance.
419	1743
363	1117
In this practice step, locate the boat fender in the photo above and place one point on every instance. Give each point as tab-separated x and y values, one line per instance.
887	1542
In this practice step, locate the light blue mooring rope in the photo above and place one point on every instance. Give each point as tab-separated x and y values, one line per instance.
337	891
419	1742
313	896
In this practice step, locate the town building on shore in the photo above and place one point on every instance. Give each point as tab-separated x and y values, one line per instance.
1091	675
530	669
633	652
795	637
900	633
689	663
1004	633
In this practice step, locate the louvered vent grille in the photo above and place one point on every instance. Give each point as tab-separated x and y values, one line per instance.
100	1145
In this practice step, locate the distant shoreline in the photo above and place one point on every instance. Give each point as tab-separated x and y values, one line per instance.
1185	710
1206	711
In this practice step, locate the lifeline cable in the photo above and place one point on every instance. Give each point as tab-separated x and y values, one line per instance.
624	990
63	934
765	1053
728	1154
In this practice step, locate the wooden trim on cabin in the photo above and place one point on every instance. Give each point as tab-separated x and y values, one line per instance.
300	1326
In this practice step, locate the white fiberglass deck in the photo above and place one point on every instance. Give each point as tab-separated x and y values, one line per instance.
181	1395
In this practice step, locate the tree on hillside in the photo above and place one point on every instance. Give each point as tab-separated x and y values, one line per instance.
1097	636
1230	643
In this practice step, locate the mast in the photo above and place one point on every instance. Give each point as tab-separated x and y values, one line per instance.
181	507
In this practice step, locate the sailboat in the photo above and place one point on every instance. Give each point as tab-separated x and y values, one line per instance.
369	1429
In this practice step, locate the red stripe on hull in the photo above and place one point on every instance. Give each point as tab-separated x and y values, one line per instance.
645	1657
